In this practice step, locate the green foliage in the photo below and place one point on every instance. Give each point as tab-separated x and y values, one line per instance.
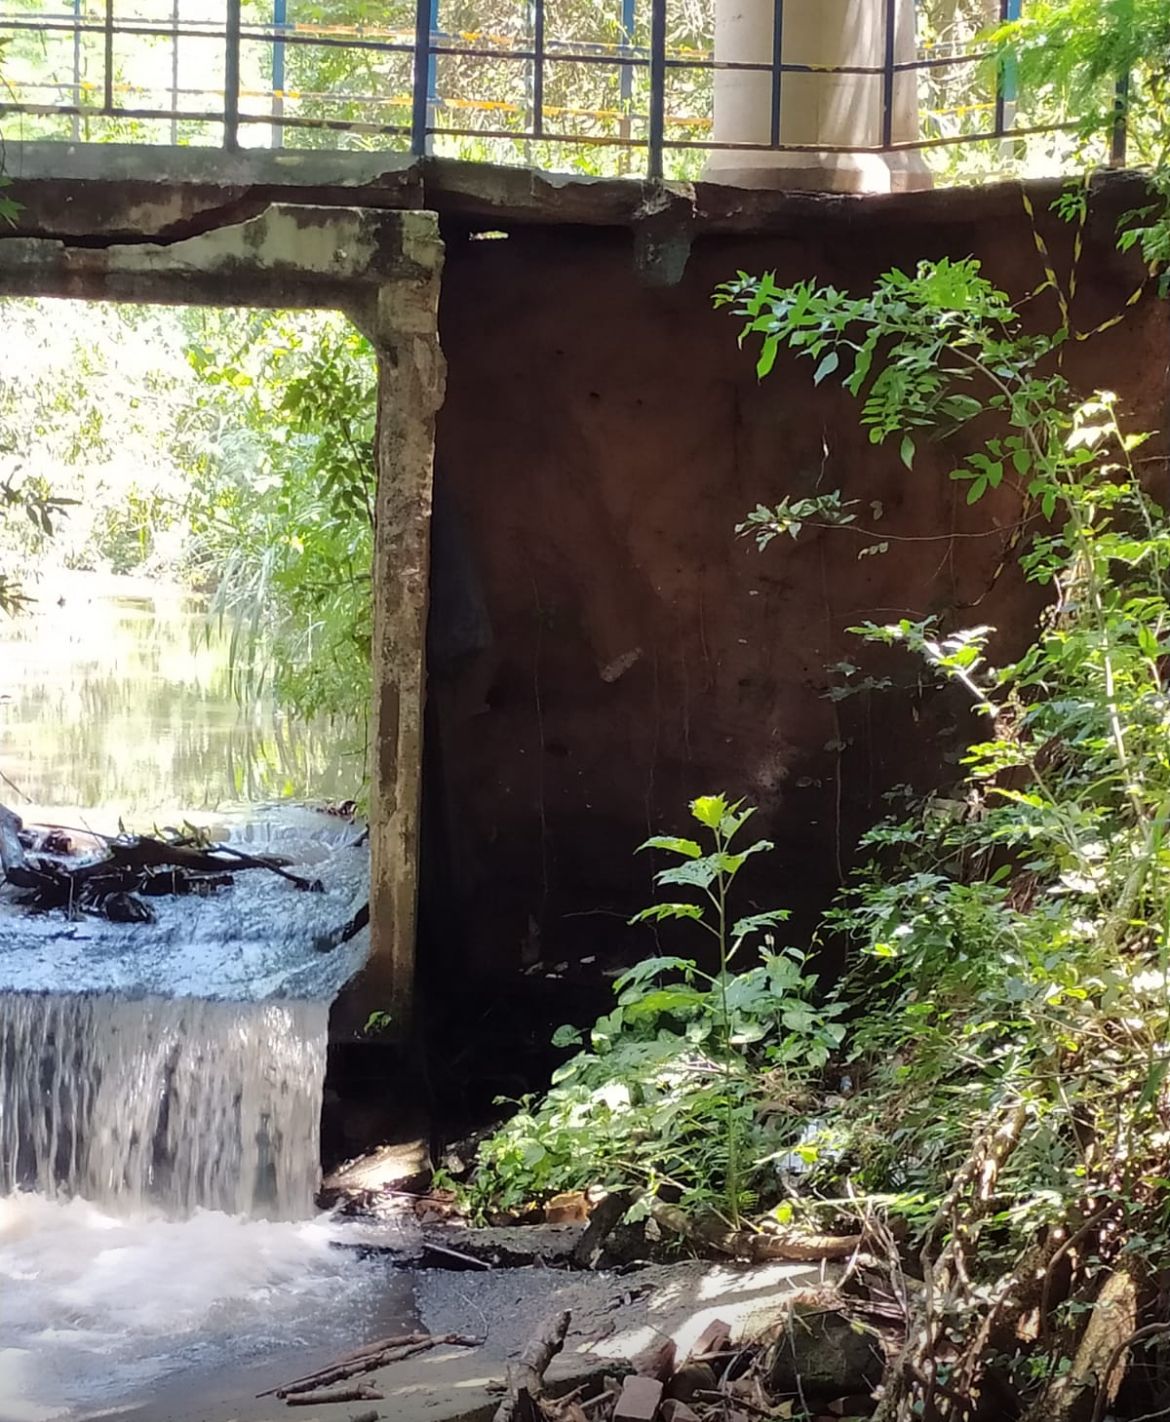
1100	63
283	507
694	1082
42	508
1011	979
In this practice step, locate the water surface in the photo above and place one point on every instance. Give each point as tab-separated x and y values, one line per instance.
117	692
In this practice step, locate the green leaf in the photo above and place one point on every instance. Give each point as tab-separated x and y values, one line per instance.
757	922
697	873
907	451
567	1036
686	847
657	912
826	367
709	810
665	1000
650	968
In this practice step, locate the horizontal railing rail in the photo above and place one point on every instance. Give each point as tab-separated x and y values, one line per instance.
220	71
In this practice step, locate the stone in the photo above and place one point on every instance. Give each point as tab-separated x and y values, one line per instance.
821	1355
639	1400
675	1411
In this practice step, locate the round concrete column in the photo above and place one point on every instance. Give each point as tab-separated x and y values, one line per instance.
836	110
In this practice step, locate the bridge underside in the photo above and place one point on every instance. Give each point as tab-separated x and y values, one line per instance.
382	268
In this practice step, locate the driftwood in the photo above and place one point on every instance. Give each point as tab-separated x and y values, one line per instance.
526	1375
379	1354
40	863
758	1248
327	942
339	1394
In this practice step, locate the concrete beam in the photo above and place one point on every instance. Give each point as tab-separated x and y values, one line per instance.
286	256
402	322
112	193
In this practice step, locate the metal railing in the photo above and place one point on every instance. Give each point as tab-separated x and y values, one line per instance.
518	87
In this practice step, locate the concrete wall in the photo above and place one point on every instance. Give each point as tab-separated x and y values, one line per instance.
604	647
601	646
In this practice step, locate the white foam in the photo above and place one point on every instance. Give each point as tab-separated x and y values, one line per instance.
95	1308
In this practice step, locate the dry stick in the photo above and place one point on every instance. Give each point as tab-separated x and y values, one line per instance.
736	1402
916	1359
340	1394
526	1375
1151	1330
743	1244
1064	1249
16	789
456	1254
374	1355
250	861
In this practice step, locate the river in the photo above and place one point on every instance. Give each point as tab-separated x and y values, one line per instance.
161	1084
115	695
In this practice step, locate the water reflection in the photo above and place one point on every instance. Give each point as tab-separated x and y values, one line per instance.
116	692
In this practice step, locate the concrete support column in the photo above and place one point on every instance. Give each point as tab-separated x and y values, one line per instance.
403	324
836	110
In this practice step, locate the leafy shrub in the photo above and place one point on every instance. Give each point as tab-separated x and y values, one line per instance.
695	1082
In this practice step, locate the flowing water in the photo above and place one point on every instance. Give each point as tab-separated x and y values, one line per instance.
161	1084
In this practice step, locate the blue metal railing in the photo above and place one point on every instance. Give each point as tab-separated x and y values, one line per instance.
640	60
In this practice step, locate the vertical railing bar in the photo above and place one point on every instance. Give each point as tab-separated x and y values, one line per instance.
1001	78
279	23
777	71
174	70
538	71
231	78
1119	148
657	88
108	94
419	127
432	77
888	75
75	126
626	80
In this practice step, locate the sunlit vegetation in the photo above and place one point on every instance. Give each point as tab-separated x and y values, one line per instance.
225	454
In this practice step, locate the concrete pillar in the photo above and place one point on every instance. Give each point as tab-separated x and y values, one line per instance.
404	327
834	110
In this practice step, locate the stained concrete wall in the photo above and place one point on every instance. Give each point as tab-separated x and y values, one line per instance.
605	647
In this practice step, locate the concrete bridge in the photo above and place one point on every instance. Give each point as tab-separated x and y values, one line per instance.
599	427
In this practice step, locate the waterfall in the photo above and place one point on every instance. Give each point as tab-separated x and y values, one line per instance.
164	1104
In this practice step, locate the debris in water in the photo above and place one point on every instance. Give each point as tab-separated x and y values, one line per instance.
366	1359
45	862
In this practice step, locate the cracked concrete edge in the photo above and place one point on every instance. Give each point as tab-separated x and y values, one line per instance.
78	188
287	255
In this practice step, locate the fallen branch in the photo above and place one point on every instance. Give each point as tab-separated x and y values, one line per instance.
327	942
526	1375
469	1259
250	861
379	1354
745	1244
340	1394
129	865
